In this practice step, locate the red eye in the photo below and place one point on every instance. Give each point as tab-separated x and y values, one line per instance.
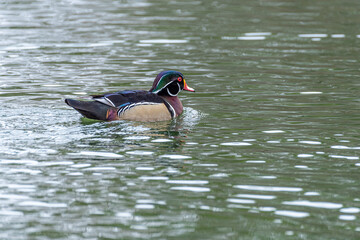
179	79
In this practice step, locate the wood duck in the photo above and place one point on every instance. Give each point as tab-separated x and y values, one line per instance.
160	103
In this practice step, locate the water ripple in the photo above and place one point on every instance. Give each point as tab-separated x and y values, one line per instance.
305	203
345	157
42	204
235	144
98	154
170	41
241	201
293	214
191	189
191	182
269	188
347	217
254	196
174	156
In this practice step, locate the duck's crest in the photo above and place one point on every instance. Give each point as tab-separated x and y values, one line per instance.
158	80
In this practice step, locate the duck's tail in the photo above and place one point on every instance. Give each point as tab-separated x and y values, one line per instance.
93	109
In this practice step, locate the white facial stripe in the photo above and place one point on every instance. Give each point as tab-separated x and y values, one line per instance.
162	87
159	83
173	95
168	89
170	93
106	101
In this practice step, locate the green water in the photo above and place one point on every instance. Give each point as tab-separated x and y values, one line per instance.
267	148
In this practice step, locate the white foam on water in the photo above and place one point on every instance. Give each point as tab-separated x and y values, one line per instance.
191	189
255	161
24	170
345	157
13	196
219	175
75	174
206	165
256	196
98	154
344	147
42	204
175	157
153	178
251	38
150	201
316	39
313	35
350	210
189	182
347	217
137	138
228	38
21	46
10	213
81	165
311	194
172	170
301	166
241	201
293	214
100	169
161	140
191	117
20	161
235	144
144	206
273	131
311	142
267	209
105	43
310	93
139	152
59	163
124	214
303	155
306	203
21	186
338	35
145	168
267	177
51	85
171	41
269	188
258	34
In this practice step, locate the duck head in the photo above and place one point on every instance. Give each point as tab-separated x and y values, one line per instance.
170	83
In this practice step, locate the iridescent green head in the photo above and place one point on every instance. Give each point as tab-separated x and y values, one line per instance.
170	83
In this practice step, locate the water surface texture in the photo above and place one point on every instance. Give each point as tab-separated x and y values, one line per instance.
267	148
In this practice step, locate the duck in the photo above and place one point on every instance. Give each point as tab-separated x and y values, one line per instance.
160	103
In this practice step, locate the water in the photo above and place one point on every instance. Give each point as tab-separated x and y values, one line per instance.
267	148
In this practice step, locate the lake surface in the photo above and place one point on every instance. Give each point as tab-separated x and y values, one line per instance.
267	148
